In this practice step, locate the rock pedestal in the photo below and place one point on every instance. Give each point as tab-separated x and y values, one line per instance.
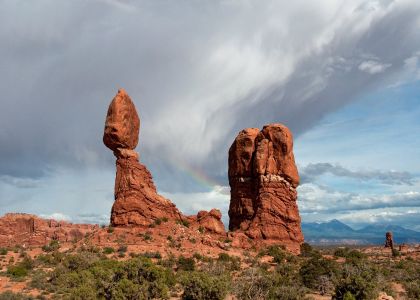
389	242
136	199
263	178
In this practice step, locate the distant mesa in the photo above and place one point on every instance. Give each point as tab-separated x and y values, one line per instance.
263	178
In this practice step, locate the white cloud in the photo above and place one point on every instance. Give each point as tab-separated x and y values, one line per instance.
373	67
56	216
316	199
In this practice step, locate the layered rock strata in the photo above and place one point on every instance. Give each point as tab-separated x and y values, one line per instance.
263	178
136	199
29	230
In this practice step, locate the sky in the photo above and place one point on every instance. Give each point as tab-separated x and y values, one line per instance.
342	75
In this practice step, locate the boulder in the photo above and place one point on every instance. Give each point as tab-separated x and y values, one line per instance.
211	221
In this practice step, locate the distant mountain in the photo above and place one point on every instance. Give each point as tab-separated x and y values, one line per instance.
336	232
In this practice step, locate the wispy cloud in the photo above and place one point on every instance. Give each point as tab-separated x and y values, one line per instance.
19	182
316	199
373	66
314	170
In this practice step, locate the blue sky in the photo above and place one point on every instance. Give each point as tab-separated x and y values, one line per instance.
342	75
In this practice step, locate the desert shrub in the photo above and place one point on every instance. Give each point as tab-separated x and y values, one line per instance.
316	268
183	222
252	284
287	292
202	286
103	278
355	255
52	246
197	256
21	269
38	279
8	295
158	221
122	249
110	229
27	263
80	261
352	256
361	280
17	271
413	289
50	259
147	236
3	251
341	252
108	250
306	250
126	289
152	254
83	292
186	263
283	283
278	253
395	252
169	262
349	296
232	263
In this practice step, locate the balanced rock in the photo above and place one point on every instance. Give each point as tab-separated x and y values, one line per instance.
136	199
122	123
263	178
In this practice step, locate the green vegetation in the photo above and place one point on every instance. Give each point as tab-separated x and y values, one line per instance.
204	286
183	222
54	245
108	250
91	273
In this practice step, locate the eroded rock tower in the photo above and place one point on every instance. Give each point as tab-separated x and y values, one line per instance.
263	178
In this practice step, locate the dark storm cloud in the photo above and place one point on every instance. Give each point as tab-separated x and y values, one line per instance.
198	73
312	171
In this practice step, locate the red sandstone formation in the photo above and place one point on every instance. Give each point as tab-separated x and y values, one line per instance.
30	230
136	199
389	242
210	221
263	179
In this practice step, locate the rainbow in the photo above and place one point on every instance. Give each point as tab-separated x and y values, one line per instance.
196	174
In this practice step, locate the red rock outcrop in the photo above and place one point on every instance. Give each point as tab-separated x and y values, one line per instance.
389	241
30	230
136	199
263	178
210	221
